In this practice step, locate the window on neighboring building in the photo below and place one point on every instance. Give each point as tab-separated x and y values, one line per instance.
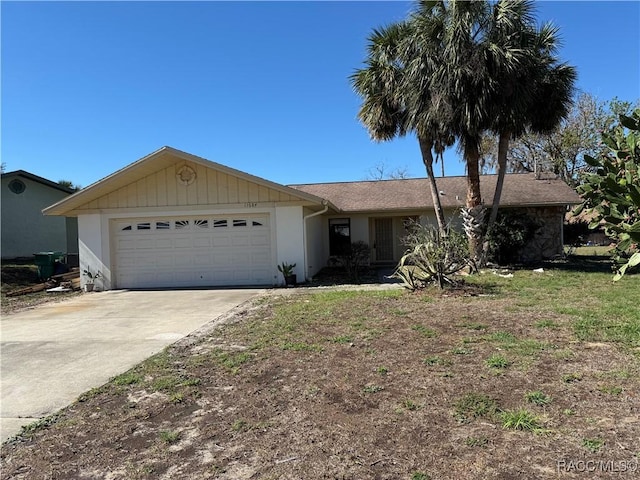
339	236
17	186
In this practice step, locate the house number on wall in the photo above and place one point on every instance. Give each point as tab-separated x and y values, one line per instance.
251	204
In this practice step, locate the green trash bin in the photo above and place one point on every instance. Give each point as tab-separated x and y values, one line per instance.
45	262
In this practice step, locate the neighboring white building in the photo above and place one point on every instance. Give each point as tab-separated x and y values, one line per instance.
25	230
172	219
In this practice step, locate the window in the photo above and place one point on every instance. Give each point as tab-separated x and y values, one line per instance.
201	223
144	226
17	186
182	224
339	236
162	226
239	223
219	223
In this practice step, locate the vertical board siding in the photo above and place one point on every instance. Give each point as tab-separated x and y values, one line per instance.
132	196
152	188
243	191
161	186
223	188
201	186
141	190
163	189
233	190
212	187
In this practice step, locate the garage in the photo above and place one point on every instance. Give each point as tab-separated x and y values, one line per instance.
186	251
175	220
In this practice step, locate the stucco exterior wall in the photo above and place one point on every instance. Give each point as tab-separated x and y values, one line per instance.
317	248
93	243
25	230
290	239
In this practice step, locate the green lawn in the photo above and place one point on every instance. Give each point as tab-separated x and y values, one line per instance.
508	378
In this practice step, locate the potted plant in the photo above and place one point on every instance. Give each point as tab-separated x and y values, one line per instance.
91	278
286	269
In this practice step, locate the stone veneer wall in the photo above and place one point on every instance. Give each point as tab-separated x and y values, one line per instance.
547	242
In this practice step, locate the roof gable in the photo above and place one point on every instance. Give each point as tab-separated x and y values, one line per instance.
415	194
170	177
38	179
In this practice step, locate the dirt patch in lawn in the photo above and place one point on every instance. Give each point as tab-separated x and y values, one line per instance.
355	385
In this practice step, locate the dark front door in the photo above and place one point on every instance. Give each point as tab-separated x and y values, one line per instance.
383	239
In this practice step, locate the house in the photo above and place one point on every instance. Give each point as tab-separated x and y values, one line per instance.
172	219
25	230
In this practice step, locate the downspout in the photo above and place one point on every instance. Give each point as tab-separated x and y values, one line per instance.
325	203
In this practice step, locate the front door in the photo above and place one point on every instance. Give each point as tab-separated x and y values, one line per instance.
383	239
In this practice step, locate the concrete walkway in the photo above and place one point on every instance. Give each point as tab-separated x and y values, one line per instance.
51	354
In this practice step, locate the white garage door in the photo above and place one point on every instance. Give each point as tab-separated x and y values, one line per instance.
193	251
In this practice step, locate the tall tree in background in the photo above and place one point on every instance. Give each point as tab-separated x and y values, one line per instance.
563	150
70	185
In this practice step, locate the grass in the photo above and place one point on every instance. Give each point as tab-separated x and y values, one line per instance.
372	388
297	369
477	441
521	419
611	389
599	309
436	360
424	331
474	405
420	476
127	378
169	437
497	361
538	398
593	444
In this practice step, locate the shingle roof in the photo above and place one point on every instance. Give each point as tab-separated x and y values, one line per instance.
414	194
36	178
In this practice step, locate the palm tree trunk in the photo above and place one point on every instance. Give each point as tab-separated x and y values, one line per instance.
503	147
427	158
475	211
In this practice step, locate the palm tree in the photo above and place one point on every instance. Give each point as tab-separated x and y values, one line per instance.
497	72
536	94
455	70
464	81
396	96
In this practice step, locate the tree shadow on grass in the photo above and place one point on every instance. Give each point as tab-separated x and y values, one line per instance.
582	263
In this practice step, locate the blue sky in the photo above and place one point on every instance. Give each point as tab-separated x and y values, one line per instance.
89	87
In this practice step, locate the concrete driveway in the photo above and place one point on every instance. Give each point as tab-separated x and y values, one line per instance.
51	354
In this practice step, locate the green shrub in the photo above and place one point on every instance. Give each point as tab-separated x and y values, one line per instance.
431	257
508	235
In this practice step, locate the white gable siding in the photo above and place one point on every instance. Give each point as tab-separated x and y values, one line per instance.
163	189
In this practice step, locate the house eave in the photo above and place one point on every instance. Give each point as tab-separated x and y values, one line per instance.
163	156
